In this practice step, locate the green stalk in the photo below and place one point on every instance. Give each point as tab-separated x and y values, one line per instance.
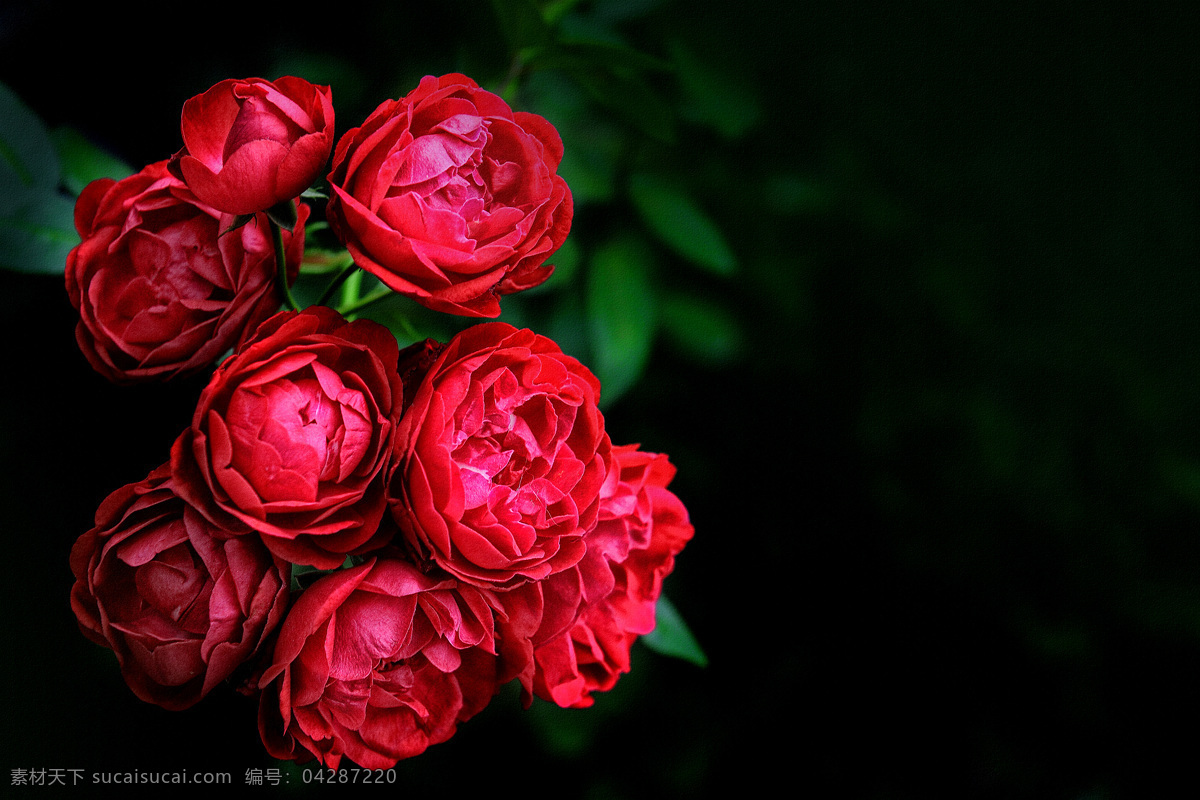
281	265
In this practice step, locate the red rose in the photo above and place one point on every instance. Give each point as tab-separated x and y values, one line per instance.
450	197
292	433
251	144
160	291
643	526
540	612
376	663
500	458
180	603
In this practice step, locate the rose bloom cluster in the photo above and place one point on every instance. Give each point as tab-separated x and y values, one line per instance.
370	539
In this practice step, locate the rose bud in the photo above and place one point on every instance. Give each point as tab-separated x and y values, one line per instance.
500	458
249	145
375	663
642	528
161	293
181	603
450	197
292	433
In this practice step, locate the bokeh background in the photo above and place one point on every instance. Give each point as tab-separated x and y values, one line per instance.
908	296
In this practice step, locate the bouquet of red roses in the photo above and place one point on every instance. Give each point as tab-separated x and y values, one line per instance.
372	538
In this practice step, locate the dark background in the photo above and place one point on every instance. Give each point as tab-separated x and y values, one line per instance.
943	459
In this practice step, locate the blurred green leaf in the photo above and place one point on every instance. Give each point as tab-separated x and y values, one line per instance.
38	235
323	260
592	142
632	99
562	326
566	262
595	55
82	161
612	12
615	77
715	94
37	219
671	635
676	219
27	156
621	313
701	329
554	10
521	22
793	195
561	732
408	321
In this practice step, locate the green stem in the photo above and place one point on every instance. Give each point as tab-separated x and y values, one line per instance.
281	265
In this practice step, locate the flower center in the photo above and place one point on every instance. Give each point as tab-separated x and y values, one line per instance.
292	435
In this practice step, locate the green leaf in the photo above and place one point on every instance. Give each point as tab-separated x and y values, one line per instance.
284	214
621	313
39	234
521	22
554	10
304	575
593	141
716	95
83	162
701	329
671	635
27	156
615	77
582	54
675	218
566	263
630	97
562	326
324	260
37	219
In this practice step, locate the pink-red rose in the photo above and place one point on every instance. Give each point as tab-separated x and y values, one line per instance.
160	292
291	435
500	458
539	612
251	144
181	603
642	527
450	197
375	663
